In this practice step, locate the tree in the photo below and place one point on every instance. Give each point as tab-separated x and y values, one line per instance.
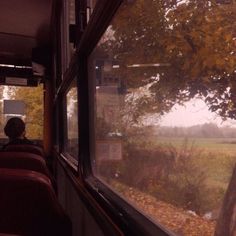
185	49
33	98
210	130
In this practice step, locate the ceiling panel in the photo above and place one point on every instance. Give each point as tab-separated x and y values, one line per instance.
24	24
24	17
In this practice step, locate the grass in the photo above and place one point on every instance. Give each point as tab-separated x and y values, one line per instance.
217	158
213	145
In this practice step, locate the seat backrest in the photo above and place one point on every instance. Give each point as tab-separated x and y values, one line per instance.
23	160
25	148
28	205
5	234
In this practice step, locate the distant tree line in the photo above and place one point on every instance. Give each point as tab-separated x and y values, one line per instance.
207	130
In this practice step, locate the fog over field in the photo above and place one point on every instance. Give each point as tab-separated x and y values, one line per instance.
193	112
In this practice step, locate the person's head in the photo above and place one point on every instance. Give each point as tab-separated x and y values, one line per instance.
15	128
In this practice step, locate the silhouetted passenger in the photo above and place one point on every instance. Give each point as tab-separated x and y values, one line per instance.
15	131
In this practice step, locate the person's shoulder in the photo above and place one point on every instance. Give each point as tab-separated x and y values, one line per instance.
27	141
3	148
20	141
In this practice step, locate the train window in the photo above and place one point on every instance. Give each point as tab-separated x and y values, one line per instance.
71	139
30	102
164	109
56	129
67	27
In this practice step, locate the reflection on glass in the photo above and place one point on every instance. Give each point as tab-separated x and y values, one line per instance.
71	142
72	22
90	7
72	11
165	109
32	113
68	21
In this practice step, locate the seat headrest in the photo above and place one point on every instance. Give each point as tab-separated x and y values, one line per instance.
23	160
28	205
25	148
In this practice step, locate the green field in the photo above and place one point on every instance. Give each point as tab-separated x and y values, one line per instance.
172	169
214	145
218	156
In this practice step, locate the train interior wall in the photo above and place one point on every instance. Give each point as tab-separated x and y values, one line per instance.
83	223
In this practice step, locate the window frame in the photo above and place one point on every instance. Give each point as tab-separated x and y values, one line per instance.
72	160
67	73
60	101
128	218
65	33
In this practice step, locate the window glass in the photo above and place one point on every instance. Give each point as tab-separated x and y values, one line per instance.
56	130
164	103
90	7
26	103
72	22
67	28
71	139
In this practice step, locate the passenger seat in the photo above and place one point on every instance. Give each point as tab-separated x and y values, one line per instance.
28	205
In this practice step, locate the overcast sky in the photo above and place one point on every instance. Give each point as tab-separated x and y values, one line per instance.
194	112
